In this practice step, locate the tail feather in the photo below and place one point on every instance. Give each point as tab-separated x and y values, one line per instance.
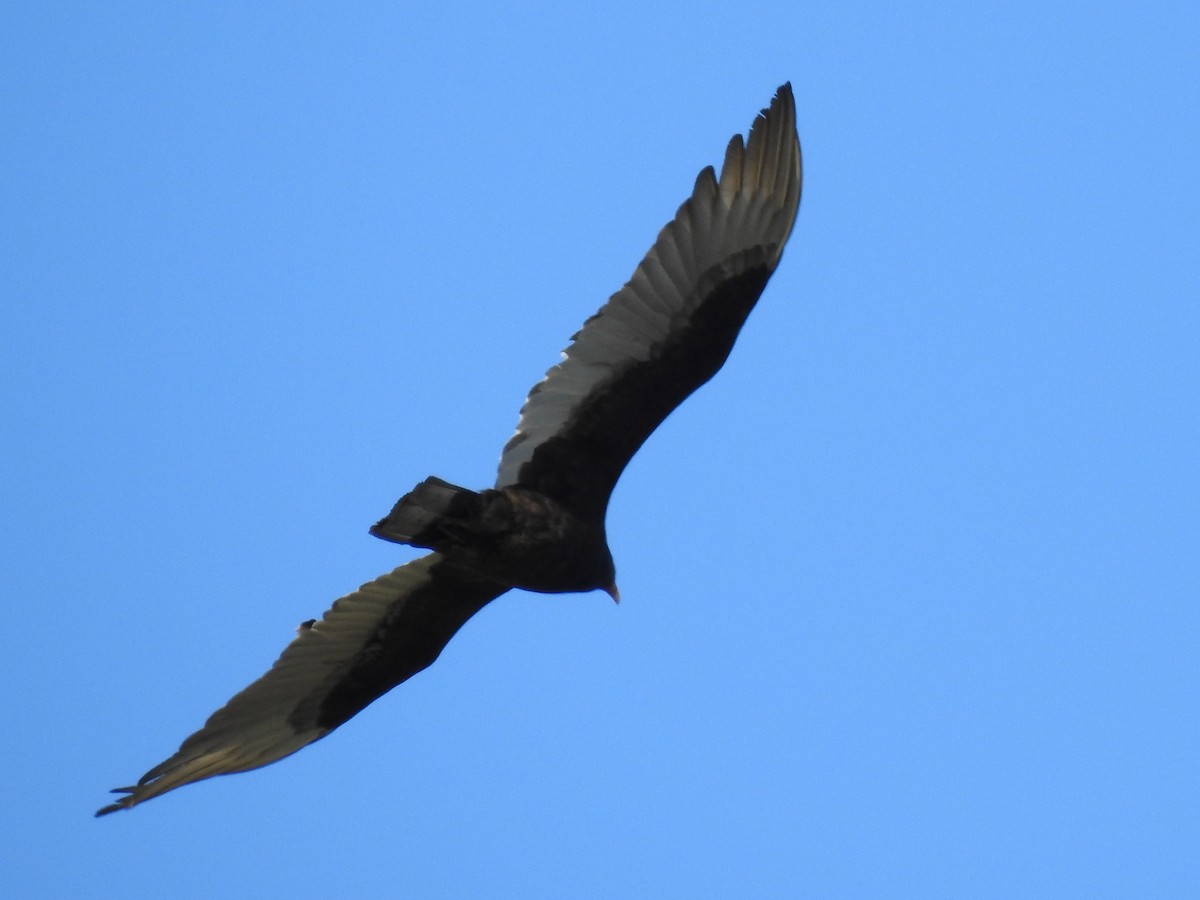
420	516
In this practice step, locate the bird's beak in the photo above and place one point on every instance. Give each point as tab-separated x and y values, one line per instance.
611	590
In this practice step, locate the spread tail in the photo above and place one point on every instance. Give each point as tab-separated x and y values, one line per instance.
424	515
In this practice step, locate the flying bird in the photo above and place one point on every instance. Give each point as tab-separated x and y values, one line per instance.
541	528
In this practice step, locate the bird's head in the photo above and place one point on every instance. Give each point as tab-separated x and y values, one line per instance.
608	578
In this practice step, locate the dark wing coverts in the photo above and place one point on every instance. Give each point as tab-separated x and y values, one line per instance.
669	329
366	644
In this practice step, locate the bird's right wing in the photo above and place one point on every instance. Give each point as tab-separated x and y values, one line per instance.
669	329
366	644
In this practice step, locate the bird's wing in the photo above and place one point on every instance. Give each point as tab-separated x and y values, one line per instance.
366	644
669	329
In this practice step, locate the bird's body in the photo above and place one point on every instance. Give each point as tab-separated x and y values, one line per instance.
516	536
541	527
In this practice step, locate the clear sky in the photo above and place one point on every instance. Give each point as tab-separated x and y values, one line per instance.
911	591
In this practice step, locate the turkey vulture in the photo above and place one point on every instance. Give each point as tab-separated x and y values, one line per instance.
541	528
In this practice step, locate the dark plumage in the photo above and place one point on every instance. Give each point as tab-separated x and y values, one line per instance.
541	528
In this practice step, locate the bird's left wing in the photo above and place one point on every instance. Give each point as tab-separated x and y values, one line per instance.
366	644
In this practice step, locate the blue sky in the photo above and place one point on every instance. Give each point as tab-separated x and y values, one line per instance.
910	590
